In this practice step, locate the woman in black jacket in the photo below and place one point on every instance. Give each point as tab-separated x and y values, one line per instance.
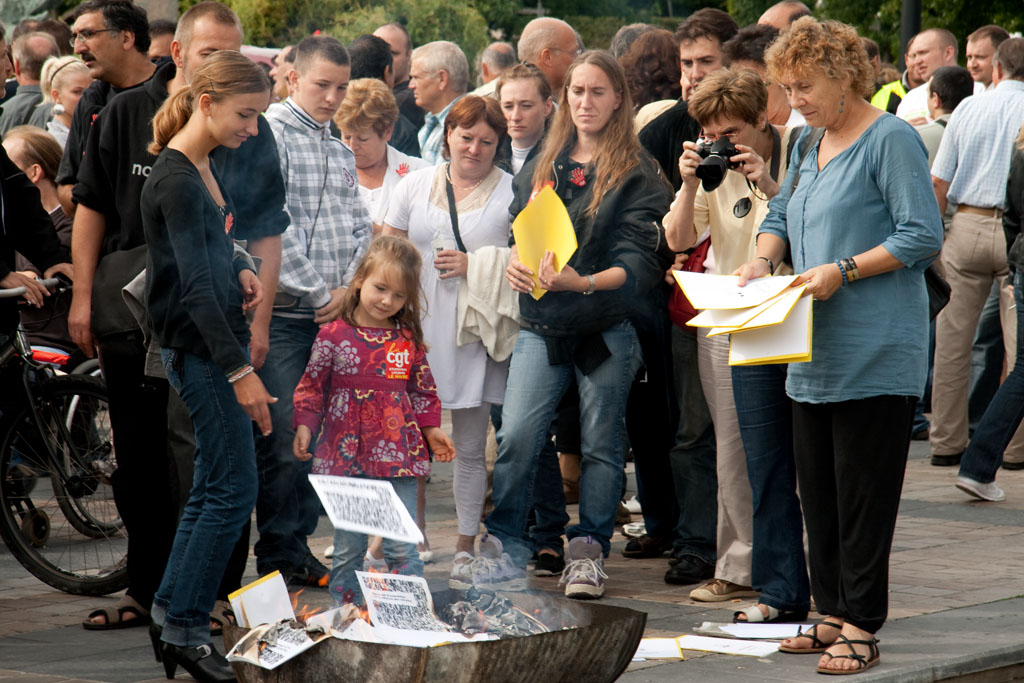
195	298
984	455
616	197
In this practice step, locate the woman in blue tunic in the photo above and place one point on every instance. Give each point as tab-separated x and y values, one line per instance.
858	216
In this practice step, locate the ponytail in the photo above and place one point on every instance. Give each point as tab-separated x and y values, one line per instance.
223	74
170	118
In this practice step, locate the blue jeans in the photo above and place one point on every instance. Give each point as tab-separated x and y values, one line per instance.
350	548
221	501
287	508
531	397
765	415
986	359
693	457
548	504
984	454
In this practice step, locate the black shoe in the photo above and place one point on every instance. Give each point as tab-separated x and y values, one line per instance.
548	564
154	636
947	460
647	546
689	569
319	574
1013	465
202	662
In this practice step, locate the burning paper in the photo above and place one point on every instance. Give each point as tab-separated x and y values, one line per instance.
264	601
270	645
368	506
401	602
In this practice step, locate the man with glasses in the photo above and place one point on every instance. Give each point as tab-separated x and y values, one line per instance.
112	38
551	45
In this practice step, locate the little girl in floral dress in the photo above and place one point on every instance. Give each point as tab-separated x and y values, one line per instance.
368	396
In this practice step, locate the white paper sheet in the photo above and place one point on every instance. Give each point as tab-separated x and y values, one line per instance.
721	291
287	643
657	648
264	601
727	646
401	602
367	506
775	311
787	342
764	631
728	317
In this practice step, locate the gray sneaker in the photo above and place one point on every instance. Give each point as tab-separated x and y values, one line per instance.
989	491
492	569
584	569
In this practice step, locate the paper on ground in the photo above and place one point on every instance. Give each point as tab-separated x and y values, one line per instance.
544	225
721	291
789	342
727	646
658	648
762	631
401	602
271	645
264	601
367	506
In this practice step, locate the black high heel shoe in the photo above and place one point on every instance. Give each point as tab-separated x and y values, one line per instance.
154	636
203	662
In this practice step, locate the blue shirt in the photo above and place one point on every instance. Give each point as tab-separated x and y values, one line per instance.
974	155
871	337
431	133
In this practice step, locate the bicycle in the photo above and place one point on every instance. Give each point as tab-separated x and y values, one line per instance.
57	511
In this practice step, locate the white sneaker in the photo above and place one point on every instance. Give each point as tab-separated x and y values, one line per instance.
375	564
989	491
633	505
584	571
634	529
329	552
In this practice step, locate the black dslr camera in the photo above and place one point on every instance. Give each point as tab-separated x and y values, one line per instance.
715	161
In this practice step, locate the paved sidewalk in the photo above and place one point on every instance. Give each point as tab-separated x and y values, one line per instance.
957	577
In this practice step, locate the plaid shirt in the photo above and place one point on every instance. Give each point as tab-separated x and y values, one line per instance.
330	228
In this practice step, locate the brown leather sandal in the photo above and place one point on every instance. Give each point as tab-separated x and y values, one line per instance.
818	644
864	662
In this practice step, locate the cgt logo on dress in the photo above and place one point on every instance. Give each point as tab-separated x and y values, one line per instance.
398	360
349	180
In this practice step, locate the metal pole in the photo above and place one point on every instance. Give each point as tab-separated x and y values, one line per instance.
910	25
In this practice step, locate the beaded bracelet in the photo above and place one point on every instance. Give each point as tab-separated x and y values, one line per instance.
842	271
239	374
851	269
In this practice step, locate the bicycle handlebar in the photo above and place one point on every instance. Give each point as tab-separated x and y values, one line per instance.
19	291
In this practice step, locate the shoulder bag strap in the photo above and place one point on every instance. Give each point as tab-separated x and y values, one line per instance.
451	209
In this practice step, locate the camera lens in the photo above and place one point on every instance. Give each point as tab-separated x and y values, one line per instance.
711	172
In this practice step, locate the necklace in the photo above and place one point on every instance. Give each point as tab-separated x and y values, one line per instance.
448	174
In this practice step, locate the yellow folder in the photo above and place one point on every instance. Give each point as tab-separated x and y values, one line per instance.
788	342
544	225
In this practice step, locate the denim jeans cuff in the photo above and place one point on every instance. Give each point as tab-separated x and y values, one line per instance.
185	636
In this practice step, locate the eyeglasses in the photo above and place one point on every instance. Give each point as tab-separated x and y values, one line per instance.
86	34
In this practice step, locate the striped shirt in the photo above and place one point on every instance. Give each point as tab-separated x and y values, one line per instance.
330	227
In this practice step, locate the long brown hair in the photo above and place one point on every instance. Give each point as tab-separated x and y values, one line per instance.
223	74
618	150
398	253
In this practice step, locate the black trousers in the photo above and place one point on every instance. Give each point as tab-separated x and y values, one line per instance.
850	460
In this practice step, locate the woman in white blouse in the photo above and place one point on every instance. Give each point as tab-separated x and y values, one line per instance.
469	382
367	119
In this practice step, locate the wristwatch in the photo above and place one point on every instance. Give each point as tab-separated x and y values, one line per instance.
592	287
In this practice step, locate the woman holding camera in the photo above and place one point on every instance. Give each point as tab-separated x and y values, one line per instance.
862	226
760	533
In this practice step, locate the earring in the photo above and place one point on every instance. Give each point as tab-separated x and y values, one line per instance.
58	109
842	103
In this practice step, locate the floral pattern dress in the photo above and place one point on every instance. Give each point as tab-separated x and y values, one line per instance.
366	394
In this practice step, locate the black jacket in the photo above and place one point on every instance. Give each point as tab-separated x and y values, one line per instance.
663	139
193	297
116	165
626	231
407	106
404	137
1014	212
26	228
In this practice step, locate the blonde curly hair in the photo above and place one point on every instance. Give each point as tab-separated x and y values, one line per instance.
809	47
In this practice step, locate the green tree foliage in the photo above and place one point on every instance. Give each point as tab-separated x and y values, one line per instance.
747	12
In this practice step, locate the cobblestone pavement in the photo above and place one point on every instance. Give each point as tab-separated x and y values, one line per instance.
949	553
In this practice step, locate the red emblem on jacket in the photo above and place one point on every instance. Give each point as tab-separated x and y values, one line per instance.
229	222
402	170
577	178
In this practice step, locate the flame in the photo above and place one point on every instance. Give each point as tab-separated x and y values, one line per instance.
305	612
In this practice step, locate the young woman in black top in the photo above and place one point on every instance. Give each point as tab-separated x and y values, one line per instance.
196	298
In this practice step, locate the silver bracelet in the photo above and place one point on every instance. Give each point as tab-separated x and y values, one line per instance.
247	370
593	286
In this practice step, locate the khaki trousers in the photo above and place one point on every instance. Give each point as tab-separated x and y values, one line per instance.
973	255
735	506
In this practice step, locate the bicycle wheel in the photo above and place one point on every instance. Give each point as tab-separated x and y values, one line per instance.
57	512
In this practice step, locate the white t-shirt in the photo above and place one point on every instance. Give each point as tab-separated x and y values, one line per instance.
399	166
465	375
